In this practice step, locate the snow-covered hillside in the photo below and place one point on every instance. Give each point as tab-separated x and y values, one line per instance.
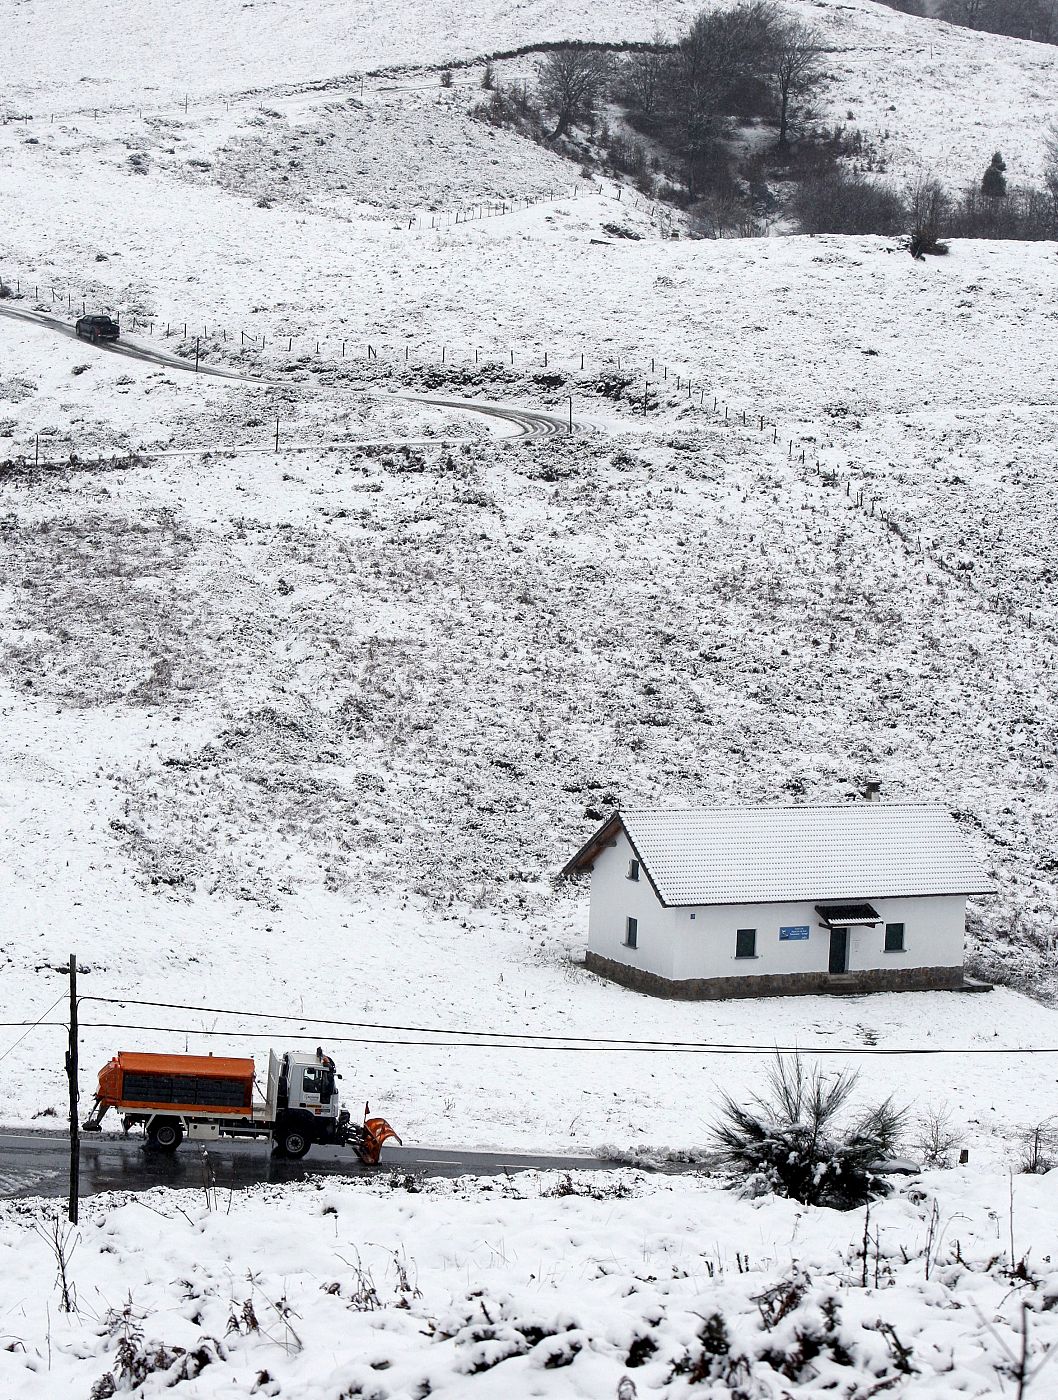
928	95
367	704
307	729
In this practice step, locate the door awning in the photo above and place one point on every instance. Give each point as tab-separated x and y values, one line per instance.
848	915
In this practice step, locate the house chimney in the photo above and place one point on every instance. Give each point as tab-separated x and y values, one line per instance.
872	790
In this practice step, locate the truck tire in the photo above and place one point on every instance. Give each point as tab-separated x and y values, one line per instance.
292	1142
165	1134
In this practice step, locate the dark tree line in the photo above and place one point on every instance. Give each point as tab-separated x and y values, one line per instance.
837	201
684	102
749	60
1018	19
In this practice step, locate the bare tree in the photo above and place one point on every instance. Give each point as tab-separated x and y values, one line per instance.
570	81
717	68
971	13
793	61
929	210
1050	165
644	74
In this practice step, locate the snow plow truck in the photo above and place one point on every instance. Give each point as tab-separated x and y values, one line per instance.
205	1098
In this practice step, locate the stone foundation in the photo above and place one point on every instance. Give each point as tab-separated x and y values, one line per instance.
789	984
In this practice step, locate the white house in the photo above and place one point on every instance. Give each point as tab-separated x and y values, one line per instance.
770	901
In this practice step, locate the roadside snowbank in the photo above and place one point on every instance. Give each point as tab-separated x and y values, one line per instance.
550	1286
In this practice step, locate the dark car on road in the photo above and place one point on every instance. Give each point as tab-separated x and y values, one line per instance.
97	328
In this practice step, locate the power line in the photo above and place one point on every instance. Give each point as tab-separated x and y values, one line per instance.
490	1039
658	1048
480	1040
615	1047
31	1025
383	1025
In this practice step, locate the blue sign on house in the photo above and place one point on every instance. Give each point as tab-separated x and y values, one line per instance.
793	933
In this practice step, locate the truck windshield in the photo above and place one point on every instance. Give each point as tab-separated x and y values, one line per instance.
318	1080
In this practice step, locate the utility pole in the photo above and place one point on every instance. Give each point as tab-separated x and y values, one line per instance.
197	343
71	1074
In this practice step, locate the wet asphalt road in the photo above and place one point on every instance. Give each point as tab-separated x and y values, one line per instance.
37	1164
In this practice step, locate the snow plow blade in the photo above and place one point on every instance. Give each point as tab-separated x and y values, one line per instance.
376	1132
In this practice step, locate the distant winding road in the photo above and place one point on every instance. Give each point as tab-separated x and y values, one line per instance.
528	423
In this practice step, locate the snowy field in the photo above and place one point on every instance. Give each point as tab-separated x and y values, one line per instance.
515	1287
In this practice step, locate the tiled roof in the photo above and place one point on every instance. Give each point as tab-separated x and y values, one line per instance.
749	855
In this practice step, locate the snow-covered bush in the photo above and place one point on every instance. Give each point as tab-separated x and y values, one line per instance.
790	1142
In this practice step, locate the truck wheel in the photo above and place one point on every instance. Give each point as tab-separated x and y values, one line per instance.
165	1134
294	1143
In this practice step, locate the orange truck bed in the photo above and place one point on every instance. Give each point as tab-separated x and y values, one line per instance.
204	1084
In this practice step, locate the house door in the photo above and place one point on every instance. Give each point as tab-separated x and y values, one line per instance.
839	950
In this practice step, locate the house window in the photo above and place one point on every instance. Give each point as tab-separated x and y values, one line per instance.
633	870
894	938
746	943
631	932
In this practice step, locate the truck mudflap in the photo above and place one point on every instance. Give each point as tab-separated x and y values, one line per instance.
368	1138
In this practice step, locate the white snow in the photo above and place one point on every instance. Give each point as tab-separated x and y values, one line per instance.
509	1287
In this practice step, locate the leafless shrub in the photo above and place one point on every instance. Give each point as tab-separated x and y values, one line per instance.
597	1191
839	202
1040	1148
782	1298
934	1137
364	1296
927	209
136	1359
280	1330
62	1240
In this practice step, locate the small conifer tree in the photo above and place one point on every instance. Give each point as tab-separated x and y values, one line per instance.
994	180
